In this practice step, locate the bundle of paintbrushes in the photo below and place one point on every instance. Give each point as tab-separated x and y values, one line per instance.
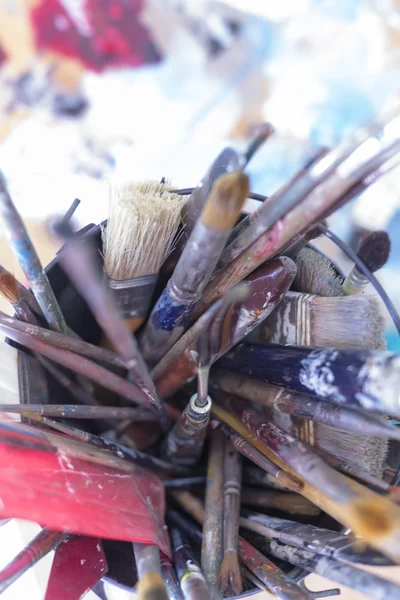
196	402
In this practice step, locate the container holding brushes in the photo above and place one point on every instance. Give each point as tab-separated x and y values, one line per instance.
242	376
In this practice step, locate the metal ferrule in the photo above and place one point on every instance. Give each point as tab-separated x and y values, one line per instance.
196	264
184	443
147	558
133	296
355	282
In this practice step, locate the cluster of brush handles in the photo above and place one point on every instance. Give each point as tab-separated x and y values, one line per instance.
296	416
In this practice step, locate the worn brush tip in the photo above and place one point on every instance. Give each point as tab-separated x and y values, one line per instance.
374	250
224	203
151	587
9	288
230	576
371	518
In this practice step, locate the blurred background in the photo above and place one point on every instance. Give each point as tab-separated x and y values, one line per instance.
96	90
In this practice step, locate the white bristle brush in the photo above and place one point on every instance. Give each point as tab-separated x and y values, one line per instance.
325	322
143	219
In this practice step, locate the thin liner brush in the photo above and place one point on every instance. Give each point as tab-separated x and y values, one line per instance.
317	205
43	543
74	411
147	461
275	579
29	260
316	539
173	310
213	515
80	365
283	501
151	585
301	320
374	251
170	578
141	226
300	405
10	291
365	513
242	235
60	340
348	575
249	451
230	577
193	583
78	260
360	379
302	184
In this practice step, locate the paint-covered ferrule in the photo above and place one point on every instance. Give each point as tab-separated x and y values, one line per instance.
184	443
133	296
290	323
355	282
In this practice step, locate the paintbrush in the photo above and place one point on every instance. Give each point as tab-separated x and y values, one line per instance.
266	287
147	461
316	539
230	577
27	296
254	475
78	565
184	443
170	577
173	310
46	541
142	222
247	230
300	405
374	251
271	469
328	504
65	342
354	378
74	411
29	260
318	322
275	580
316	274
184	482
318	204
348	575
193	583
150	585
78	259
213	515
10	291
80	365
284	501
357	501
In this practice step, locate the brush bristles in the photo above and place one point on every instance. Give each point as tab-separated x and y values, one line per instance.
374	250
143	220
316	275
347	322
225	201
151	587
230	576
9	288
360	452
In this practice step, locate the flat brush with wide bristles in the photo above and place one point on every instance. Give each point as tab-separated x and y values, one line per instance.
374	252
324	322
143	219
316	274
